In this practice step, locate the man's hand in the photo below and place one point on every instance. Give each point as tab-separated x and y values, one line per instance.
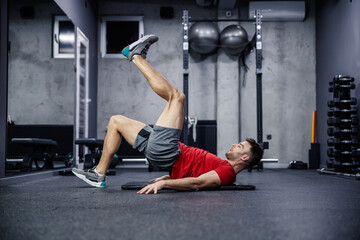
166	177
155	187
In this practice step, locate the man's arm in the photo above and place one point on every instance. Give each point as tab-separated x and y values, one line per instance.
207	180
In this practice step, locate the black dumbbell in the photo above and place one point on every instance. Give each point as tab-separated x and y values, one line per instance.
337	101
337	111
352	110
336	120
337	153
336	130
341	78
338	141
344	86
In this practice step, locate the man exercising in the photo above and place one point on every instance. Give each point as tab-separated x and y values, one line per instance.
190	168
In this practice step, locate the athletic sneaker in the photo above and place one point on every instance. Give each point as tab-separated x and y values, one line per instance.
140	47
91	177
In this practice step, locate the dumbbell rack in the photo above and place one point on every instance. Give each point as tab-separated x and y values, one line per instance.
343	142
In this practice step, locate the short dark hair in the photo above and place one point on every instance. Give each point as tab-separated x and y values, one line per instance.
256	152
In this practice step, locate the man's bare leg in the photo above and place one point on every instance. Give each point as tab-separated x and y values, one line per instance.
173	114
118	127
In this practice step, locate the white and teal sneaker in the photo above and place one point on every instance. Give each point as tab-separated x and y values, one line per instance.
140	47
91	177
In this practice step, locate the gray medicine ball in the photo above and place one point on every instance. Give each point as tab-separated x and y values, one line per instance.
233	39
203	37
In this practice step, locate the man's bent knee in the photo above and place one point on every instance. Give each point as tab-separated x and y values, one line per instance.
116	120
178	96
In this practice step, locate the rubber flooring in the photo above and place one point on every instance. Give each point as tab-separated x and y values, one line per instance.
287	204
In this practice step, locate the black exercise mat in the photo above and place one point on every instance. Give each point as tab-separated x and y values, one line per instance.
232	187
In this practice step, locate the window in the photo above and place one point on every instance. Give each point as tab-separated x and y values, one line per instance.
119	31
63	37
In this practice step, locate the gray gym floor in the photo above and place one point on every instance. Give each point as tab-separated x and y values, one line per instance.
287	204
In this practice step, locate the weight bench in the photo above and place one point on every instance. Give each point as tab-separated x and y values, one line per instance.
40	152
95	147
231	187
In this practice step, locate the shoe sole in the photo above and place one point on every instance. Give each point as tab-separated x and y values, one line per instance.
94	184
141	40
129	55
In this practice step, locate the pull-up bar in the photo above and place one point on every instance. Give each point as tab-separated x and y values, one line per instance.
222	20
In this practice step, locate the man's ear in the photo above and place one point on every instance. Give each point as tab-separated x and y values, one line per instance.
245	158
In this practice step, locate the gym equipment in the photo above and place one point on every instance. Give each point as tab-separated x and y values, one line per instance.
204	37
338	141
337	86
231	187
343	142
314	151
297	165
337	153
92	158
354	176
57	156
336	120
336	131
255	43
337	101
337	112
233	39
40	152
258	53
341	79
95	148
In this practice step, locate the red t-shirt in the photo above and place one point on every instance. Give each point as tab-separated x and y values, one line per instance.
193	162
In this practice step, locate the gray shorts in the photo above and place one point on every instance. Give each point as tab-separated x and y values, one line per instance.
159	144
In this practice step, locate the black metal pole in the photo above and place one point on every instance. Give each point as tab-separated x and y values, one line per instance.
186	74
258	32
259	109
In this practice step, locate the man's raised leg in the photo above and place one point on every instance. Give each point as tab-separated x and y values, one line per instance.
173	114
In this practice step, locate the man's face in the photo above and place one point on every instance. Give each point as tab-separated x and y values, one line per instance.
238	151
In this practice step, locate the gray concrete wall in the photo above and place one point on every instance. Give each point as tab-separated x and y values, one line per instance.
41	88
288	80
338	52
227	101
288	88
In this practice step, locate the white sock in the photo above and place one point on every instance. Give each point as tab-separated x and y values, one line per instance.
98	173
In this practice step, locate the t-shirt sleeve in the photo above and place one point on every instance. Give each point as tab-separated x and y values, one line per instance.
226	174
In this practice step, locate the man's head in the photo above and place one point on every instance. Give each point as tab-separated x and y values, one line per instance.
248	152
